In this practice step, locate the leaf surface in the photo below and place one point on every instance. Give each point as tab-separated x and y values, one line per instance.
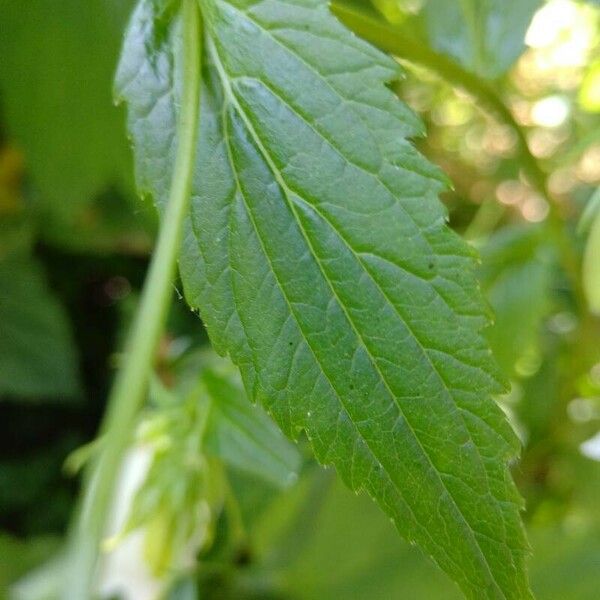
319	258
516	277
38	356
244	437
485	36
55	75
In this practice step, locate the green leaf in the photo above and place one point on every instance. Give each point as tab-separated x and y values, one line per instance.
374	564
567	562
57	66
485	36
38	357
243	436
319	258
237	432
516	276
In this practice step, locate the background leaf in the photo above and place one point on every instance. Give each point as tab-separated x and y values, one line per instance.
237	432
57	67
516	277
485	36
297	539
243	436
37	354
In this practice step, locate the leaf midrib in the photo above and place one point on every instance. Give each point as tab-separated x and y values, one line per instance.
231	97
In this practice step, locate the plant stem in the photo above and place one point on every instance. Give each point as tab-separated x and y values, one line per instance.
485	220
131	383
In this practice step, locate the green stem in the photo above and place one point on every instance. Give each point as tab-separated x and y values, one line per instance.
485	220
130	386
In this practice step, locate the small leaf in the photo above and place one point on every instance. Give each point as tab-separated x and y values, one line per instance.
485	36
516	276
38	357
57	64
319	258
185	589
244	437
237	432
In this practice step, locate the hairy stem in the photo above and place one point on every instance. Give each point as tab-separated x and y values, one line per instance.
131	383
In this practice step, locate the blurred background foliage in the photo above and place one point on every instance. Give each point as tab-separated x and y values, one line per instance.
510	95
